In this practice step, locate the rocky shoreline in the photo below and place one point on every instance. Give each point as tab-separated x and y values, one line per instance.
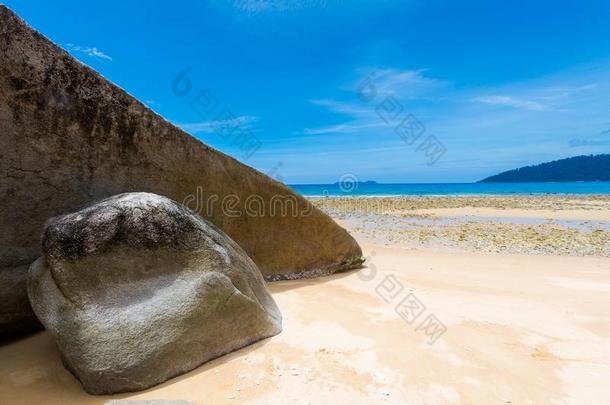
516	224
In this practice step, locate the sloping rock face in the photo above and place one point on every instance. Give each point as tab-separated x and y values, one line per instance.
68	137
137	289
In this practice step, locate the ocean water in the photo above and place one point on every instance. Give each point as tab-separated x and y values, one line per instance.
432	189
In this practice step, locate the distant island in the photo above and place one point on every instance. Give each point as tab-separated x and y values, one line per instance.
578	168
360	183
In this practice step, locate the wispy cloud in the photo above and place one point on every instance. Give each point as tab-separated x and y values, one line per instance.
569	90
341	128
602	138
408	82
341	107
89	51
260	6
404	85
490	128
533	98
209	127
509	101
576	143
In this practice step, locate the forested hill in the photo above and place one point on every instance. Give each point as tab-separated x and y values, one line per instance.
578	168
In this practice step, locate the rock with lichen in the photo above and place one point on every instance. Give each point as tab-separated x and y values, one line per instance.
137	289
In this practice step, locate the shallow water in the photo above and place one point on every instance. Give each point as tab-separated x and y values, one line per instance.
347	188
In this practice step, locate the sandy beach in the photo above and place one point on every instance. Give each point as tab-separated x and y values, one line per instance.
463	300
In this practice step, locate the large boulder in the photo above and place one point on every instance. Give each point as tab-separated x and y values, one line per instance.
16	314
68	137
137	289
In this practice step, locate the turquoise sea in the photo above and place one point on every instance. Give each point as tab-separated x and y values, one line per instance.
379	189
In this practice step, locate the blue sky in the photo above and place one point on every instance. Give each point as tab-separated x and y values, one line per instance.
498	84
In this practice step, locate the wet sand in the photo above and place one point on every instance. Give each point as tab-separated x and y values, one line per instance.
531	225
519	328
567	214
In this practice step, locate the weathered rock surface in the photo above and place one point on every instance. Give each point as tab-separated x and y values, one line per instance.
68	137
16	314
137	289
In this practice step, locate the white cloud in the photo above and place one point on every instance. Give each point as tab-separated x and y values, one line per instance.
341	128
342	107
539	119
577	143
209	127
566	91
598	139
260	6
542	118
535	97
405	83
509	101
401	84
89	51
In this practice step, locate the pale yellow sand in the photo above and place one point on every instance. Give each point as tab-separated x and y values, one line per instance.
520	329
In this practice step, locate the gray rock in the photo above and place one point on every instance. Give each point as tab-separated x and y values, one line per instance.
16	314
137	289
69	137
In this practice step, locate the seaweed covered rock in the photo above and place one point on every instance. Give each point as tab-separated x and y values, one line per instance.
137	289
